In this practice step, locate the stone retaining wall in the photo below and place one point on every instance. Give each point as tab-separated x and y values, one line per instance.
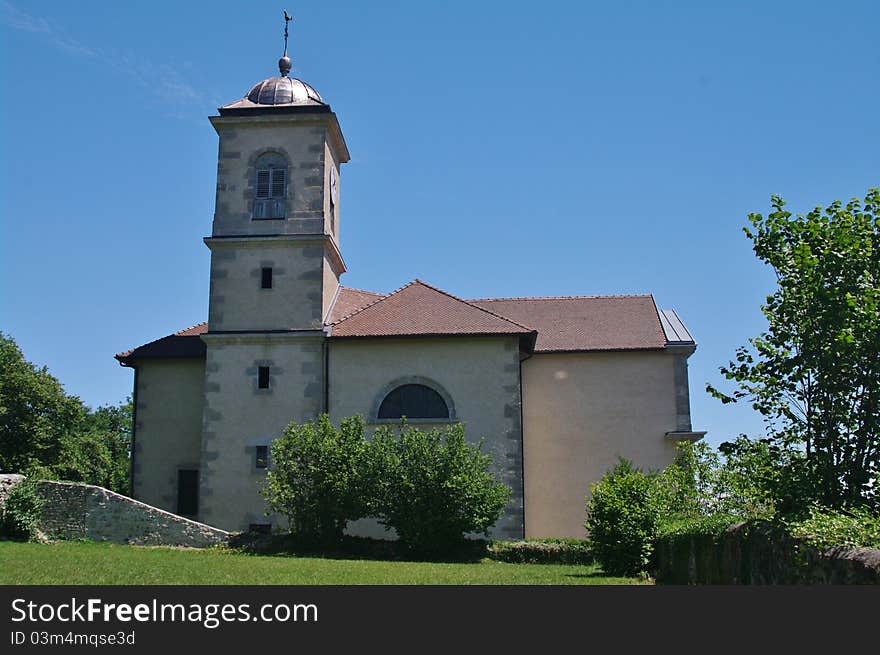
83	511
761	553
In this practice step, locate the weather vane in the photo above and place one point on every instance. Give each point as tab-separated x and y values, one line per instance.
284	63
287	19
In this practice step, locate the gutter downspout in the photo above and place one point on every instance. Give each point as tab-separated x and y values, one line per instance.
134	409
325	347
522	450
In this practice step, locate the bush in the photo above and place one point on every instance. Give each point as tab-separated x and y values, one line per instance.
623	514
20	516
827	528
434	487
762	478
317	478
542	551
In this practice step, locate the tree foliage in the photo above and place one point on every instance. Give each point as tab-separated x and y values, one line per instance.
814	373
434	487
44	432
431	487
20	513
318	479
623	514
628	508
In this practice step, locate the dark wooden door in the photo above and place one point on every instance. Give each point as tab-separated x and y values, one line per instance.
188	492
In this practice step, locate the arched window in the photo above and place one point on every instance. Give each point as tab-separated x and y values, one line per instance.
270	186
413	401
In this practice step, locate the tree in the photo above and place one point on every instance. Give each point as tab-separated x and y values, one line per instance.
814	373
46	433
36	415
99	451
317	478
434	487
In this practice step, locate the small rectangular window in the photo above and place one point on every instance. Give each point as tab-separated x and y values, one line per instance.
266	278
261	459
263	377
260	528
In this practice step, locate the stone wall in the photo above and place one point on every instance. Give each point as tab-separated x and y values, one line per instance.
83	511
761	554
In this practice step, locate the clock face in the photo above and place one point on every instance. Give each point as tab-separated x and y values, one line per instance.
334	187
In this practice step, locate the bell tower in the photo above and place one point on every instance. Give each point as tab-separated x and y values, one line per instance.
275	269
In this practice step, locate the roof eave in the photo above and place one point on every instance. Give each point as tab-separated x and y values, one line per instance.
527	337
559	351
686	348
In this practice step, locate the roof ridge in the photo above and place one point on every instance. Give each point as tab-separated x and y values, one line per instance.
470	304
440	291
598	296
372	293
368	305
178	333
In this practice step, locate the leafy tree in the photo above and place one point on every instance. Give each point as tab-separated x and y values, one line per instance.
36	415
46	433
434	487
99	452
318	477
814	373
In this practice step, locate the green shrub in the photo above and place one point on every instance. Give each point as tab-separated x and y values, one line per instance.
542	551
623	514
20	516
761	478
826	528
434	487
317	478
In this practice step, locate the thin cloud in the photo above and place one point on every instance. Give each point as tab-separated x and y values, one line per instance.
162	81
13	17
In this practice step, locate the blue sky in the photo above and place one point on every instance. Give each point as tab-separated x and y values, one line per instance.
498	149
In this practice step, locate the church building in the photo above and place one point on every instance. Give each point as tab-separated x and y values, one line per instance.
558	387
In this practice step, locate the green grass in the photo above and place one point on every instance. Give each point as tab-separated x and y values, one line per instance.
96	563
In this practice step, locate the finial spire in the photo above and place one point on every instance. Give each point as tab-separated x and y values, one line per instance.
284	63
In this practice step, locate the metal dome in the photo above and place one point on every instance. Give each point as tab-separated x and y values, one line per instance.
283	91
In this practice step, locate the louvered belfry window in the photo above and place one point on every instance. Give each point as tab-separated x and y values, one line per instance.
271	187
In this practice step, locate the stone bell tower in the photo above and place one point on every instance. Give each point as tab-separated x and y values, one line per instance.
275	268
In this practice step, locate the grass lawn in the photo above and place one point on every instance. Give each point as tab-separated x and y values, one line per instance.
98	563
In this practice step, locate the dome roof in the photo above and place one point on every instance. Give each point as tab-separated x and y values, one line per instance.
283	91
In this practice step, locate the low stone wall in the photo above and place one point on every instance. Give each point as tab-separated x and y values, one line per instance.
82	511
761	554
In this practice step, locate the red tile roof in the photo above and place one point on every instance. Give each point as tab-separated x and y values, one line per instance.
350	300
563	324
420	309
185	343
585	322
